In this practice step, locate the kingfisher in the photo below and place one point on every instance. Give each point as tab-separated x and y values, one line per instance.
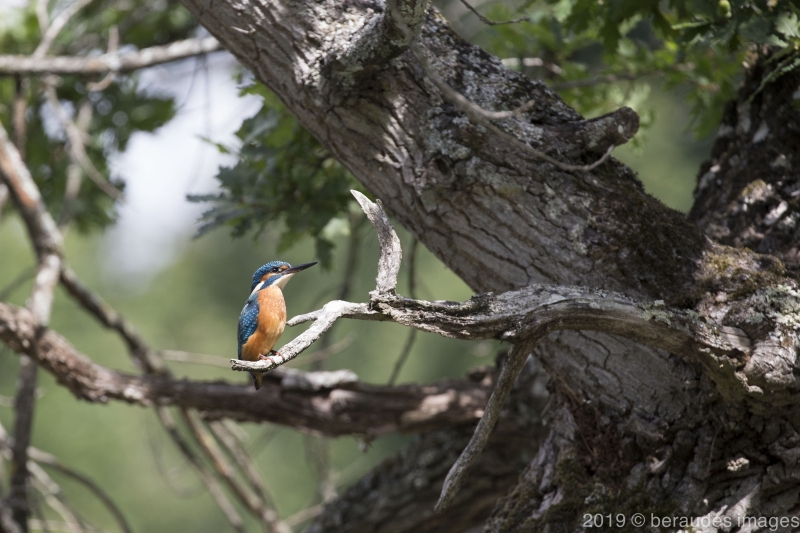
263	317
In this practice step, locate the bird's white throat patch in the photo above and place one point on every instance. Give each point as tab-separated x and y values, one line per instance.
258	288
281	283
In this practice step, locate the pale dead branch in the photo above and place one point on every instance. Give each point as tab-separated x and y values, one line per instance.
116	62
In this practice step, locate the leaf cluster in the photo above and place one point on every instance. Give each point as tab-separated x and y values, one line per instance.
283	177
604	54
599	54
118	111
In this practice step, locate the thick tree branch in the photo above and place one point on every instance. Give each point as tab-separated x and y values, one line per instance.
617	127
119	62
330	406
384	37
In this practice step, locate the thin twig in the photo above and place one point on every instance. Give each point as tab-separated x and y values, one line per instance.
180	356
505	382
57	25
195	358
491	22
147	359
50	460
318	457
246	466
170	475
304	515
23	424
74	174
18	121
53	496
113	43
401	360
412	293
77	145
224	469
47	243
42	15
267	436
323	353
471	109
211	483
21	278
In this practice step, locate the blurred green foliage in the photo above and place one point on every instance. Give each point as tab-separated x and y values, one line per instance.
282	175
588	47
118	112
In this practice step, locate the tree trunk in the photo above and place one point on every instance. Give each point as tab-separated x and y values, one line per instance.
631	429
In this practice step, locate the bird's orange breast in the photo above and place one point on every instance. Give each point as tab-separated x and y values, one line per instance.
271	321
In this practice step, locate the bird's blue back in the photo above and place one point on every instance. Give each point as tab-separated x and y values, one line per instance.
248	320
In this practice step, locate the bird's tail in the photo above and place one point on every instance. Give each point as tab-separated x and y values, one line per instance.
257	377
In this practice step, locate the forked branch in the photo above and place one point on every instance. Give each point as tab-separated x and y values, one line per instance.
523	317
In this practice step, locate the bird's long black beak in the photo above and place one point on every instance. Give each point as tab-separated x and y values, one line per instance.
298	268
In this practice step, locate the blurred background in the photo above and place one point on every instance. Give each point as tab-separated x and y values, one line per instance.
185	293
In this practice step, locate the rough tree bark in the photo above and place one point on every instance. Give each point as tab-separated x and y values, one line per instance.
629	428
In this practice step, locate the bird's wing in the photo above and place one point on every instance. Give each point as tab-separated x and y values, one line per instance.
248	321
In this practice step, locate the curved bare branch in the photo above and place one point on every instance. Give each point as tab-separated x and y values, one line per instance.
331	407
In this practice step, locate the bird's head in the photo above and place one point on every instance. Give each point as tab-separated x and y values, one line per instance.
276	273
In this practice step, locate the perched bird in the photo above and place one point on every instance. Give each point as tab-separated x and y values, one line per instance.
264	314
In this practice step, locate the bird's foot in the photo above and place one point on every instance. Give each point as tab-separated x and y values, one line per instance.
270	357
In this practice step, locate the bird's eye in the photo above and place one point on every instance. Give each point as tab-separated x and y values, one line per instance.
275	269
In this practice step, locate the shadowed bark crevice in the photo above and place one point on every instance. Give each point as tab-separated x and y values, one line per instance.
748	193
399	494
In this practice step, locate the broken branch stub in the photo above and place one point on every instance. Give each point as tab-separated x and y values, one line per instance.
391	252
